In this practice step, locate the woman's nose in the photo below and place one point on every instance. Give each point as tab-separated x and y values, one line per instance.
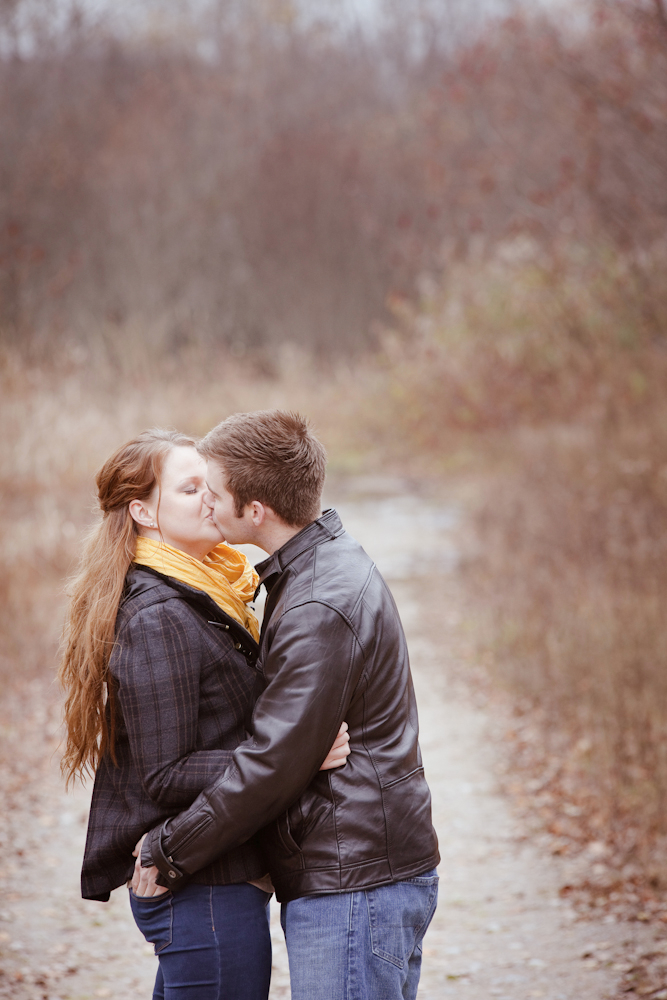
208	499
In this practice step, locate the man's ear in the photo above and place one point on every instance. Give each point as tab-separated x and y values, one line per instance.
141	514
257	513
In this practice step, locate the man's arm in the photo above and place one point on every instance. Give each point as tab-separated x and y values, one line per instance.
311	670
144	880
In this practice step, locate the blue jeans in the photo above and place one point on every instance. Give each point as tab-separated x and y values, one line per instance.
212	941
362	945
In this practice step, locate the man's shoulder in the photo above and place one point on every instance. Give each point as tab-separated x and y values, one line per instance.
335	573
341	552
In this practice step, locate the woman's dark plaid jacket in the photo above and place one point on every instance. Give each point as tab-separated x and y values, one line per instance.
184	681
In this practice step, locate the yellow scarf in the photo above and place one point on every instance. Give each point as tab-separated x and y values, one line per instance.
225	575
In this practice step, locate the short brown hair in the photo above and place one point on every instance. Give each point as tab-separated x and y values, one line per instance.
271	456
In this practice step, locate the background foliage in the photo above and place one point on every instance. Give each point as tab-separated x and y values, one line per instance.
442	233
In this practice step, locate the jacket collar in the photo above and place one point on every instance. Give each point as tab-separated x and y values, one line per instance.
326	527
140	580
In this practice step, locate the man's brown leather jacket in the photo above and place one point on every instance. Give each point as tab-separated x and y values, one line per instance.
332	648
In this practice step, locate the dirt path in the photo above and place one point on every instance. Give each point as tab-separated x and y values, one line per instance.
501	929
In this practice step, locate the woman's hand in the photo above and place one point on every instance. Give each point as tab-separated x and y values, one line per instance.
143	880
339	751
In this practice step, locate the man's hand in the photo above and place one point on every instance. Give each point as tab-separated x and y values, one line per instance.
340	751
143	880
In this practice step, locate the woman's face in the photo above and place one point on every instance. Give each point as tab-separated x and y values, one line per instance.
183	520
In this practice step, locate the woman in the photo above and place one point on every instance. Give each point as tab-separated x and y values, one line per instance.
158	667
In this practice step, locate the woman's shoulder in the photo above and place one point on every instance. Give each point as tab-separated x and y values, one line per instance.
148	596
152	601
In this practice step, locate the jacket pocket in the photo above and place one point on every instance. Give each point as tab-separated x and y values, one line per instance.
410	833
284	832
310	814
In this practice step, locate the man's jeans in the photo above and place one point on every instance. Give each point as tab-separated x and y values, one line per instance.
212	941
359	945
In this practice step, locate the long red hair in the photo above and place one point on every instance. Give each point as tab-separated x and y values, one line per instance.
132	473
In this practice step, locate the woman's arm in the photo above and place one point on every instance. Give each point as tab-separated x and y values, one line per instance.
157	663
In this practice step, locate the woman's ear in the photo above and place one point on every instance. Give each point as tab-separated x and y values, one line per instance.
141	514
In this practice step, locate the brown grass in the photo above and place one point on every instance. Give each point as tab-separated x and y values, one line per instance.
546	373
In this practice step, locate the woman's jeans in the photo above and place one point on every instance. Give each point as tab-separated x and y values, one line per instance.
362	945
212	941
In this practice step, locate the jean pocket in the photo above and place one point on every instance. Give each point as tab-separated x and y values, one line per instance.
399	916
428	878
153	915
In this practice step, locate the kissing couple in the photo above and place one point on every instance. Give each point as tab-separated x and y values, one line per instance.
231	763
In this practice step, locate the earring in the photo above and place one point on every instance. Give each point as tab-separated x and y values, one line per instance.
152	524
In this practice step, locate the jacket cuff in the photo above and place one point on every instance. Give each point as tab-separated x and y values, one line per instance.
152	853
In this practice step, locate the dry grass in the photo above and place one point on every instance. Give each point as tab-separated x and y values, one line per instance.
551	373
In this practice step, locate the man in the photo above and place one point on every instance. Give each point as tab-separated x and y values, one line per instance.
351	852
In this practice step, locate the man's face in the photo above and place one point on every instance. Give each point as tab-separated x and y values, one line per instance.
235	530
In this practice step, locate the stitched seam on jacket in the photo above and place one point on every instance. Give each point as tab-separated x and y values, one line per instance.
365	587
314	574
332	607
340	706
333	800
335	819
194	832
377	775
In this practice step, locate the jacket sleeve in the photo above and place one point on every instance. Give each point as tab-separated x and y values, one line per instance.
157	664
311	670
